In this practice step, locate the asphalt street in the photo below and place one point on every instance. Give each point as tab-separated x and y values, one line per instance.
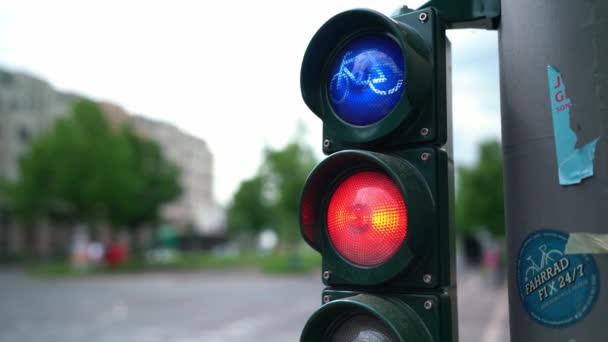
200	306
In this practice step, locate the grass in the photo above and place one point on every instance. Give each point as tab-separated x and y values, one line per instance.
296	263
303	262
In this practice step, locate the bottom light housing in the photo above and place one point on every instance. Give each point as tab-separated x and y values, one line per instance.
351	316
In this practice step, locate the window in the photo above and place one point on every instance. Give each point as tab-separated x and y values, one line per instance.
24	135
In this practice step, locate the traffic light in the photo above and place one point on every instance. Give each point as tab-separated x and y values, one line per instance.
379	208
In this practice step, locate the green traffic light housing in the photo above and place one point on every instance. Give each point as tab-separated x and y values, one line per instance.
350	316
380	207
375	81
363	317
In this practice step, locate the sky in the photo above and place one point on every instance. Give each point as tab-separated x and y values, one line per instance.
224	71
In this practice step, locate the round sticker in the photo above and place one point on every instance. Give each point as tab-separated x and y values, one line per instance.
556	289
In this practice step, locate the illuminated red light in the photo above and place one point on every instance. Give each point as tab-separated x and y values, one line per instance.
367	218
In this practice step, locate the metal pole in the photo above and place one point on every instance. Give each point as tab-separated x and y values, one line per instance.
554	88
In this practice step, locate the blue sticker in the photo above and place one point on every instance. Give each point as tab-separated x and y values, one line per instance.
574	164
556	289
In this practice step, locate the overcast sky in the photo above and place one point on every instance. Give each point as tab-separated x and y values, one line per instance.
224	71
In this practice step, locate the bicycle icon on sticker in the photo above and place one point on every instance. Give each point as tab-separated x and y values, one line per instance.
547	280
365	70
546	258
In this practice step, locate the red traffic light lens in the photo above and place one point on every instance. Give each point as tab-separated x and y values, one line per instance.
367	218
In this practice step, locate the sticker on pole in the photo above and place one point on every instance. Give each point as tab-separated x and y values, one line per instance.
574	164
556	289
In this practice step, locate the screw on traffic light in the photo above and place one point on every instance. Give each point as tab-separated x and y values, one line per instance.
379	208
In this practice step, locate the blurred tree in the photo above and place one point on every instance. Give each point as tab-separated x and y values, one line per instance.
285	172
82	170
5	194
479	203
249	211
156	183
67	172
6	206
270	199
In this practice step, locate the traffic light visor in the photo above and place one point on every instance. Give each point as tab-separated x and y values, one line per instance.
367	79
367	218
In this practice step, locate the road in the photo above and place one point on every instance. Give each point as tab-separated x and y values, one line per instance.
202	307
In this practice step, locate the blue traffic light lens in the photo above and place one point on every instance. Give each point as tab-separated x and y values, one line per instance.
367	79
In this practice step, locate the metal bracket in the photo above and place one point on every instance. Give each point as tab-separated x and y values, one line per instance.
457	14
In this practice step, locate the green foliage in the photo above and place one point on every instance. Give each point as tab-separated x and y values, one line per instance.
155	184
285	173
308	261
270	199
479	203
66	172
84	170
249	211
5	194
302	262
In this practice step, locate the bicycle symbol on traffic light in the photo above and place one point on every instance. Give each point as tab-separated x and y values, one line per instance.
367	69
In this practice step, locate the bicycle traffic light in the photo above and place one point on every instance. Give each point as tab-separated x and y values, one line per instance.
378	82
379	208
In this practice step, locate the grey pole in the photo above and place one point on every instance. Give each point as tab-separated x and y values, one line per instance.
549	224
